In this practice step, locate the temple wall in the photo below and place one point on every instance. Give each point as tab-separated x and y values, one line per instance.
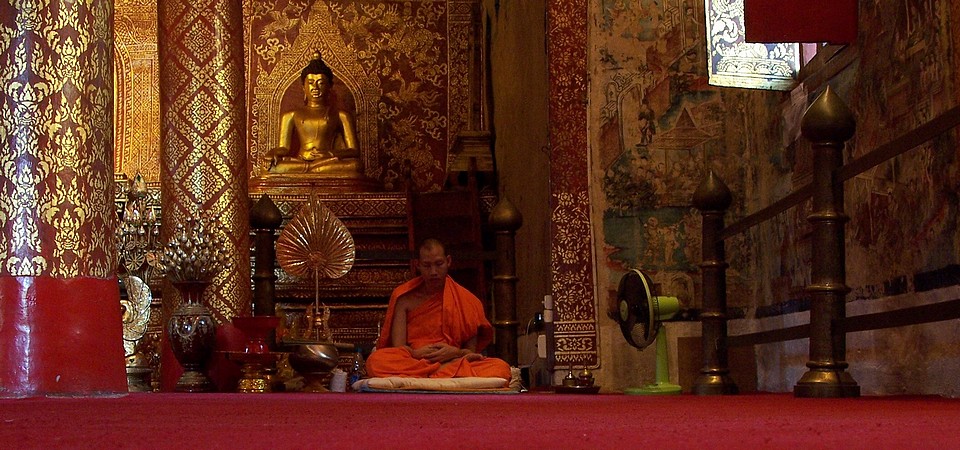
902	238
657	127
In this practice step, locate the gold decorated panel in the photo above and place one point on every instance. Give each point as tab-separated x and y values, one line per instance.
410	71
349	324
407	69
364	281
136	89
576	333
378	225
380	205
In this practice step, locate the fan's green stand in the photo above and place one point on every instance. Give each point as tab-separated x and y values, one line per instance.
660	308
662	385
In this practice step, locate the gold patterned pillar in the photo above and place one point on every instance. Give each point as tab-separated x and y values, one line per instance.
203	153
60	328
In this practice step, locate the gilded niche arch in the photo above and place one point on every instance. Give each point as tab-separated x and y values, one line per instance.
136	89
317	33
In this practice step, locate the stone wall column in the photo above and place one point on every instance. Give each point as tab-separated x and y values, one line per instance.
203	168
60	327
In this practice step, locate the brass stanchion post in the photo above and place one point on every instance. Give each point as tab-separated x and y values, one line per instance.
713	199
827	123
505	220
265	219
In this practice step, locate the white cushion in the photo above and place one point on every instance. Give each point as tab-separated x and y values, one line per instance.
430	384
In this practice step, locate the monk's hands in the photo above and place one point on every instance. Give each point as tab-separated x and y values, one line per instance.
441	353
473	357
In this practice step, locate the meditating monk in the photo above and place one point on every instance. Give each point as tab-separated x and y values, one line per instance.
327	141
434	328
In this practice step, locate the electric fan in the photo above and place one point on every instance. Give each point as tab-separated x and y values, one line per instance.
640	319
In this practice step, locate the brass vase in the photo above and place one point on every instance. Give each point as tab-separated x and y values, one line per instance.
192	335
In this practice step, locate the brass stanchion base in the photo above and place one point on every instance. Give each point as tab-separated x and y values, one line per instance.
819	383
715	384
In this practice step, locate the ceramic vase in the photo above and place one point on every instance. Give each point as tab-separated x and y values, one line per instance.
192	333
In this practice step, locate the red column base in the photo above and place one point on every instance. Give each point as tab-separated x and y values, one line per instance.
60	337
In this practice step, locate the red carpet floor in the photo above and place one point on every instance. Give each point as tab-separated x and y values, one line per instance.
524	421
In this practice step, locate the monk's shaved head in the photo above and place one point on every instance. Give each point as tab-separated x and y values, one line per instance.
431	244
433	264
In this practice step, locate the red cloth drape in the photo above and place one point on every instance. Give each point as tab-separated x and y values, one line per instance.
833	21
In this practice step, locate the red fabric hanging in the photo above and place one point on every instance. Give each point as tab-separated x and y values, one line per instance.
832	21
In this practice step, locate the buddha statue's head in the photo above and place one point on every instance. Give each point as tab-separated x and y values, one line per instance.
317	80
316	67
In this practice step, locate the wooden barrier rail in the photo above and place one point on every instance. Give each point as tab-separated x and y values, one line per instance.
827	124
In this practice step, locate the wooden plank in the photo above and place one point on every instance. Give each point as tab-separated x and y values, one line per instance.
914	315
767	213
942	124
770	336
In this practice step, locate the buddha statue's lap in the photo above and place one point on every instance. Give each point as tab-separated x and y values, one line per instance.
329	166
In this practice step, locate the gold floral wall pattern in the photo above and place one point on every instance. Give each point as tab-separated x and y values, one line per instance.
55	130
410	87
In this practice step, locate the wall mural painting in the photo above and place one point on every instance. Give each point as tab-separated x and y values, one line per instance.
774	258
911	198
660	122
908	200
902	88
660	241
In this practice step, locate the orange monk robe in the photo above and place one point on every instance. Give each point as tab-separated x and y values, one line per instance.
454	318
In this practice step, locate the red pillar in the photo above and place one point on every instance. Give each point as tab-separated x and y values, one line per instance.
60	328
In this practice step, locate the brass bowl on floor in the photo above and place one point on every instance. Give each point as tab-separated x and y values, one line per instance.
314	361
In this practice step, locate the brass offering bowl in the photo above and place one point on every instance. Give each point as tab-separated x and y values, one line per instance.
313	361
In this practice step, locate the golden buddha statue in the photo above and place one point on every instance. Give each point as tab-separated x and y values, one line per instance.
318	138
